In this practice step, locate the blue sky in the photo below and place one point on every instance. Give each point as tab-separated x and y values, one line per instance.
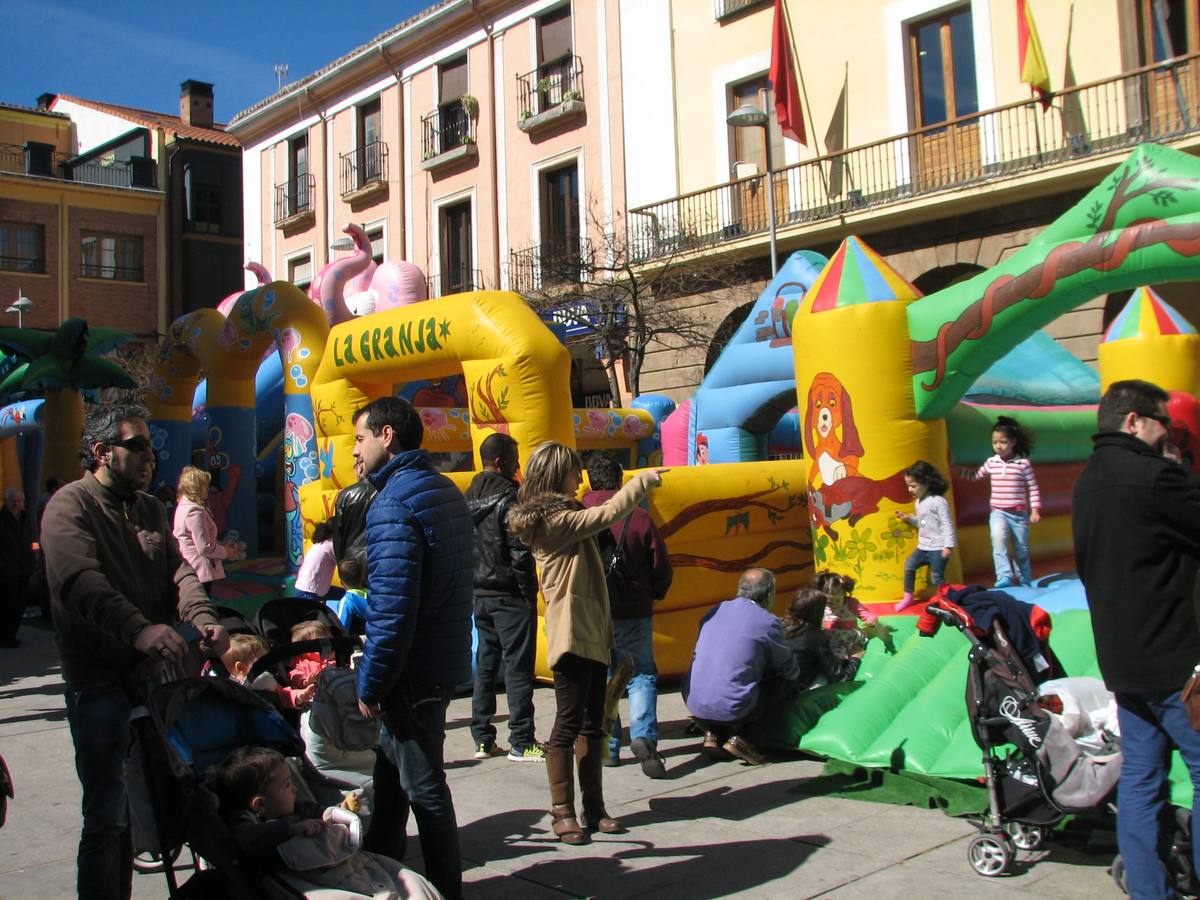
137	52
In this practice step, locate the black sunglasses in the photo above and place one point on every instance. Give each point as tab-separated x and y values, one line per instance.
1164	421
135	444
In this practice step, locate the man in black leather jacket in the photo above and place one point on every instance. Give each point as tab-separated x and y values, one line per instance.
505	607
1136	518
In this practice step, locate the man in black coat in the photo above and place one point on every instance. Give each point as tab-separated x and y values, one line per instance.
16	565
1136	520
505	607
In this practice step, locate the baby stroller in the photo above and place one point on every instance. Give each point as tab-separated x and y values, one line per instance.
1044	774
275	618
193	724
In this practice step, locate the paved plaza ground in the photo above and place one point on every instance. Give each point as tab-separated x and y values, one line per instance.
707	830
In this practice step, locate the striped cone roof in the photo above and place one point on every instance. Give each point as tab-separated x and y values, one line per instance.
856	274
1146	315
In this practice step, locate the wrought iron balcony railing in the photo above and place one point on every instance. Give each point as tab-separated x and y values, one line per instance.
1155	103
114	272
549	85
295	197
724	9
454	280
44	163
546	266
364	167
446	128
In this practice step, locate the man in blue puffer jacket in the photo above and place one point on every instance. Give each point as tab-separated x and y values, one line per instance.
418	638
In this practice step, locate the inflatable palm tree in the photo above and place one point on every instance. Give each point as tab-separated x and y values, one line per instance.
59	365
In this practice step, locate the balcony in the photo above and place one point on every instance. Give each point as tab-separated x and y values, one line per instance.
364	171
727	9
110	272
1156	103
454	280
447	136
550	94
294	202
549	266
42	161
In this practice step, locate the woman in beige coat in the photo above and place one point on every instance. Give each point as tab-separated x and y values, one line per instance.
562	536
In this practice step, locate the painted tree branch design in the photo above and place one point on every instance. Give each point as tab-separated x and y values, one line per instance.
1106	251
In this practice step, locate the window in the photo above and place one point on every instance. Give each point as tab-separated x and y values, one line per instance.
22	248
299	269
298	199
554	35
747	143
114	256
204	207
375	236
943	68
1166	29
369	135
560	223
456	248
453	122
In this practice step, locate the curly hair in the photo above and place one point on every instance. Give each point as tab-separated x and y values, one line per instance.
604	472
924	473
193	484
102	425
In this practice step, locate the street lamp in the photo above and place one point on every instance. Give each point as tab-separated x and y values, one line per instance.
750	116
20	306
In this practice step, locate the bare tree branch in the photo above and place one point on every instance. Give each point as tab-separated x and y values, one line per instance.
603	291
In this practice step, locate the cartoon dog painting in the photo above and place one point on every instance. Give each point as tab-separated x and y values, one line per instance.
830	436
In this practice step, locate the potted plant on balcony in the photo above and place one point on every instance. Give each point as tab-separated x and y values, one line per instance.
570	95
470	106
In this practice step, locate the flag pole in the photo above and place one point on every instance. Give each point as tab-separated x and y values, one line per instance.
803	90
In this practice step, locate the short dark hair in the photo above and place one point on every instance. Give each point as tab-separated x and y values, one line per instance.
245	773
397	413
1125	397
497	446
604	472
828	582
102	425
322	531
52	484
925	473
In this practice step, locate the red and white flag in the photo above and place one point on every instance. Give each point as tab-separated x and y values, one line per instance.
783	79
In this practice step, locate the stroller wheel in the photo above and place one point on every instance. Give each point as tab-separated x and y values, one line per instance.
1118	873
150	861
990	854
1026	837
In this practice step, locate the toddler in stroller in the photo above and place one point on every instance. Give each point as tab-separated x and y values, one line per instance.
1045	774
193	726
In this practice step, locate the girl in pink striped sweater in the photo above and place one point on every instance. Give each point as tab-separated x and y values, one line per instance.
1016	502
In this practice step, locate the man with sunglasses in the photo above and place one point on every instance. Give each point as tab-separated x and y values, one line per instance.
118	586
1136	521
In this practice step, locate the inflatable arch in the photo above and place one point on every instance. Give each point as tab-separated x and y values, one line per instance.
912	359
229	351
751	385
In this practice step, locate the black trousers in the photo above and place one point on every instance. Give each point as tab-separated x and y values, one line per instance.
579	700
507	640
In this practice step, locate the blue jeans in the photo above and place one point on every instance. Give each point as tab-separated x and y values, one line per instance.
919	558
635	637
99	718
1151	724
411	753
1002	523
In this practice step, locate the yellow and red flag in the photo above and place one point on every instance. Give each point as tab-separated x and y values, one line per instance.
783	79
1033	61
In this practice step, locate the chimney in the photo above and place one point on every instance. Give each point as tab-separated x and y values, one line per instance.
44	100
196	103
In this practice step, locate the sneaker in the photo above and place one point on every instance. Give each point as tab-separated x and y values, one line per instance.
1004	583
531	753
486	750
653	764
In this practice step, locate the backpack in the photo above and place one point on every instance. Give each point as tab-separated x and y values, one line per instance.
350	532
616	573
335	715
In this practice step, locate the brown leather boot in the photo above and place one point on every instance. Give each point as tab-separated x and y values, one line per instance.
590	753
560	771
